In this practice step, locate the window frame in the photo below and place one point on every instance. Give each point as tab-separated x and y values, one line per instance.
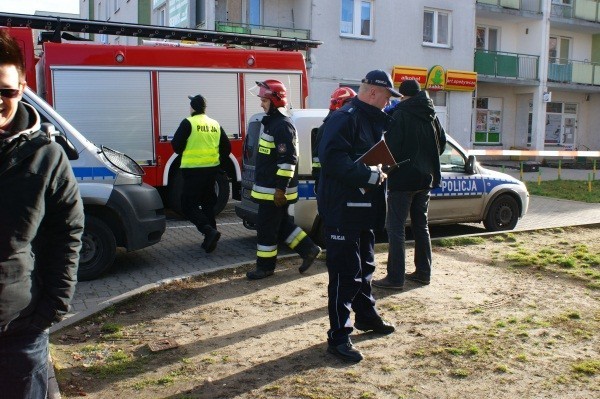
357	19
435	34
486	37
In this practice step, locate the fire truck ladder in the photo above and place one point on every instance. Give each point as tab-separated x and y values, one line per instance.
75	25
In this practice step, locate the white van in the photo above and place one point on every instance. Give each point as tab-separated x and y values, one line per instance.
468	193
120	210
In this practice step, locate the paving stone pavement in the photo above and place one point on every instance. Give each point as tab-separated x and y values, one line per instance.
179	253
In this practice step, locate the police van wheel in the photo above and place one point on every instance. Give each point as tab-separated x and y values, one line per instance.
176	189
503	214
98	251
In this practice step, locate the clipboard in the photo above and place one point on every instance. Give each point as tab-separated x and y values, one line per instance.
378	154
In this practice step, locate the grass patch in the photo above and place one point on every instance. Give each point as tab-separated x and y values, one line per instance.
575	190
458	241
588	367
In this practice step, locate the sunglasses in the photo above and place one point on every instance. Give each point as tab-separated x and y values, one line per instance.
9	93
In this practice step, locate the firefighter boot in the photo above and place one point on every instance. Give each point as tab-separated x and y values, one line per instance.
309	259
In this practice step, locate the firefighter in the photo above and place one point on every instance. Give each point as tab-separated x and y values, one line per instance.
202	144
348	198
339	97
276	184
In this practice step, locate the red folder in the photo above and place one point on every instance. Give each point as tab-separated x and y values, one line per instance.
378	154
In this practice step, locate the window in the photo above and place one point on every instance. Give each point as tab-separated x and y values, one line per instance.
116	5
488	120
161	17
487	38
559	50
561	123
436	28
356	18
254	12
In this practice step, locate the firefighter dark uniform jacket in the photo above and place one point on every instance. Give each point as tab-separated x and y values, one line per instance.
276	160
349	133
202	148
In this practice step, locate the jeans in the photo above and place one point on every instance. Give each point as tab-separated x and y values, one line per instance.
400	204
24	364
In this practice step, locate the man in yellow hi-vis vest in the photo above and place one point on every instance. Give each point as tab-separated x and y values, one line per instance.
202	144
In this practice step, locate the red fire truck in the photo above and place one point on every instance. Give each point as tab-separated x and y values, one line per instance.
132	98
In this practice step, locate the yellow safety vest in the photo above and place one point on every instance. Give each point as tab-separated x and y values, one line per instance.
202	148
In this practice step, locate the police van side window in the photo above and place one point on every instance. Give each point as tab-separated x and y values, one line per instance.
452	160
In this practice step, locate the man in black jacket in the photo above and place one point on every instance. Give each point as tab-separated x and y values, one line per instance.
276	184
414	134
41	223
203	145
348	198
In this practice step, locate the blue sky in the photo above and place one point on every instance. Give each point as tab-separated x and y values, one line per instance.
30	6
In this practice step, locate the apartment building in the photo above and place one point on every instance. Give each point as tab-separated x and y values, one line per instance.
538	66
502	73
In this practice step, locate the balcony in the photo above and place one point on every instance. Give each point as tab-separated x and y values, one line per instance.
571	71
587	10
521	5
499	64
263	30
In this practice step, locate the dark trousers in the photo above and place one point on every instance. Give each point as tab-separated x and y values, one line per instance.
24	364
275	225
350	264
400	205
199	198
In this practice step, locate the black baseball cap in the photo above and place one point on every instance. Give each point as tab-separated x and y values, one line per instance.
381	78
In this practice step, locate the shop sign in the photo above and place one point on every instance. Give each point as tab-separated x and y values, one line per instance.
436	78
402	73
460	80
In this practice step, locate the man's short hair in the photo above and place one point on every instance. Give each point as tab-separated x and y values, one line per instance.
10	52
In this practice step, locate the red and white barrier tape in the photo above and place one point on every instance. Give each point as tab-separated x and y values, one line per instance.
528	153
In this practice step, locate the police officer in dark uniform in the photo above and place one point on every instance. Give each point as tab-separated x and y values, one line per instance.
348	198
276	184
339	97
202	144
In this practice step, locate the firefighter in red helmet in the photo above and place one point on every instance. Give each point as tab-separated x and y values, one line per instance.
339	97
276	184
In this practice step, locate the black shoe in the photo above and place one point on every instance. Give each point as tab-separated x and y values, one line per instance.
346	352
309	259
210	241
258	274
386	283
417	278
378	327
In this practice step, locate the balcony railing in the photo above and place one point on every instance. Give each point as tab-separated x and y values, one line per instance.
263	30
523	5
506	65
572	71
588	10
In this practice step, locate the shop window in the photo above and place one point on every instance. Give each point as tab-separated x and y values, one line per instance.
488	120
561	124
356	19
436	28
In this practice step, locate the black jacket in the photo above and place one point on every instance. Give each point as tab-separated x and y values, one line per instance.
276	159
41	223
348	133
416	134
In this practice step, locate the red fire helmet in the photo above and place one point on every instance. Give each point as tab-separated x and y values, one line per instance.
274	90
341	96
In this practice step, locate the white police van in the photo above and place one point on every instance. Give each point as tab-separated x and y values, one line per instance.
468	193
120	210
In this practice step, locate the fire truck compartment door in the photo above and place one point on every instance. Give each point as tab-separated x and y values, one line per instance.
110	107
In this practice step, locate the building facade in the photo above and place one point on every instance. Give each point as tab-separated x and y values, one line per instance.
537	62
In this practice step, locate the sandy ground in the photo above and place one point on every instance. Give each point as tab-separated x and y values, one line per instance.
487	327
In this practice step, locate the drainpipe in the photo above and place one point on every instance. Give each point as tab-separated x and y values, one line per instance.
538	128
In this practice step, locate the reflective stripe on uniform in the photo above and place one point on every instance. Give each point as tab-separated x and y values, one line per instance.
268	193
358	204
316	163
286	170
266	251
295	237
